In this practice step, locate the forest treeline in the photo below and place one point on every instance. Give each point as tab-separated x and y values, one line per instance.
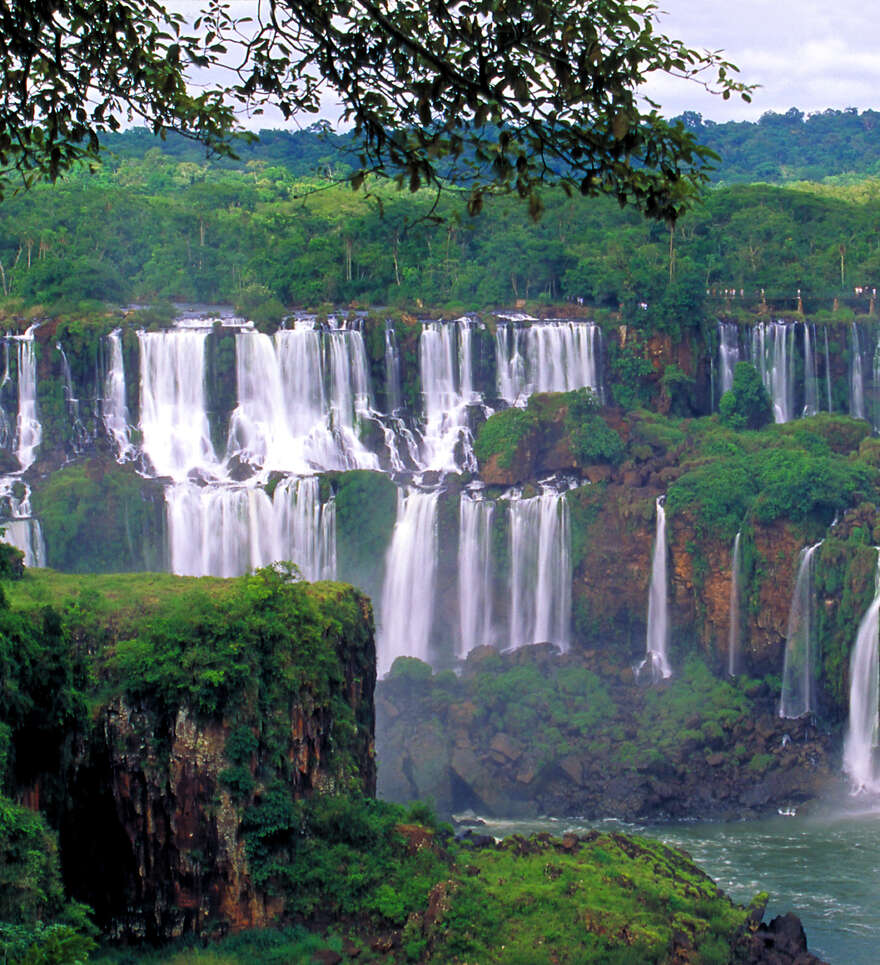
778	148
154	223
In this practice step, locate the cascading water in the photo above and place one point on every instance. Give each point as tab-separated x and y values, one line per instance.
827	371
174	422
28	431
556	356
540	553
773	356
811	380
856	378
285	419
728	354
447	443
227	530
656	656
860	744
393	394
19	527
114	410
798	688
407	614
733	633
79	433
474	573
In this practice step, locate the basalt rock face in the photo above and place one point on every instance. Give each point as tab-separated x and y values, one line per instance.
534	732
160	798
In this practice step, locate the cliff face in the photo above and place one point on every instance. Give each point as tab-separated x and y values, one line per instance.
163	790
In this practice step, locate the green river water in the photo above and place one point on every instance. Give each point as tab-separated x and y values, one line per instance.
824	866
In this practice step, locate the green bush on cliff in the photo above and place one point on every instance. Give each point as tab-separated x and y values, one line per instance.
342	855
501	434
366	507
37	925
592	439
747	404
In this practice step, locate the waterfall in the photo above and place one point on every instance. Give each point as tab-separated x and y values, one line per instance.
540	553
19	527
828	370
811	381
114	411
447	444
728	353
556	356
733	633
227	530
773	355
174	422
80	435
407	614
856	379
474	573
285	419
28	432
656	657
861	736
392	371
798	691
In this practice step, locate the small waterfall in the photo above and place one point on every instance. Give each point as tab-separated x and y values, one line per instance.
407	615
856	378
28	432
447	444
511	363
114	410
556	356
656	657
20	528
228	530
540	553
798	690
728	353
828	370
862	730
733	633
773	355
80	435
474	573
393	394
811	380
174	422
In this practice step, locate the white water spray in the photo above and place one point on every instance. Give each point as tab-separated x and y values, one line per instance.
656	656
474	573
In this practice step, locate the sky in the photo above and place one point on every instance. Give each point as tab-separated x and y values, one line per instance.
809	54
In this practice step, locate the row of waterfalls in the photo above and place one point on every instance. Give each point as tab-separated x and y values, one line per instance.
806	367
304	406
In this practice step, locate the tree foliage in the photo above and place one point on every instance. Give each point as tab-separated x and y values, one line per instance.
73	68
492	93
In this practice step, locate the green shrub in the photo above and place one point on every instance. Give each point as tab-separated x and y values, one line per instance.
501	434
746	405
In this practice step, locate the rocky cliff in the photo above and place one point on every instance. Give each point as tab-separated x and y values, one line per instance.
211	708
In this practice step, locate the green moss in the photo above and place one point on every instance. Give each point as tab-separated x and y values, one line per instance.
501	434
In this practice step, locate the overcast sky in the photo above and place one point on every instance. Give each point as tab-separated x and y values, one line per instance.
809	54
805	53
